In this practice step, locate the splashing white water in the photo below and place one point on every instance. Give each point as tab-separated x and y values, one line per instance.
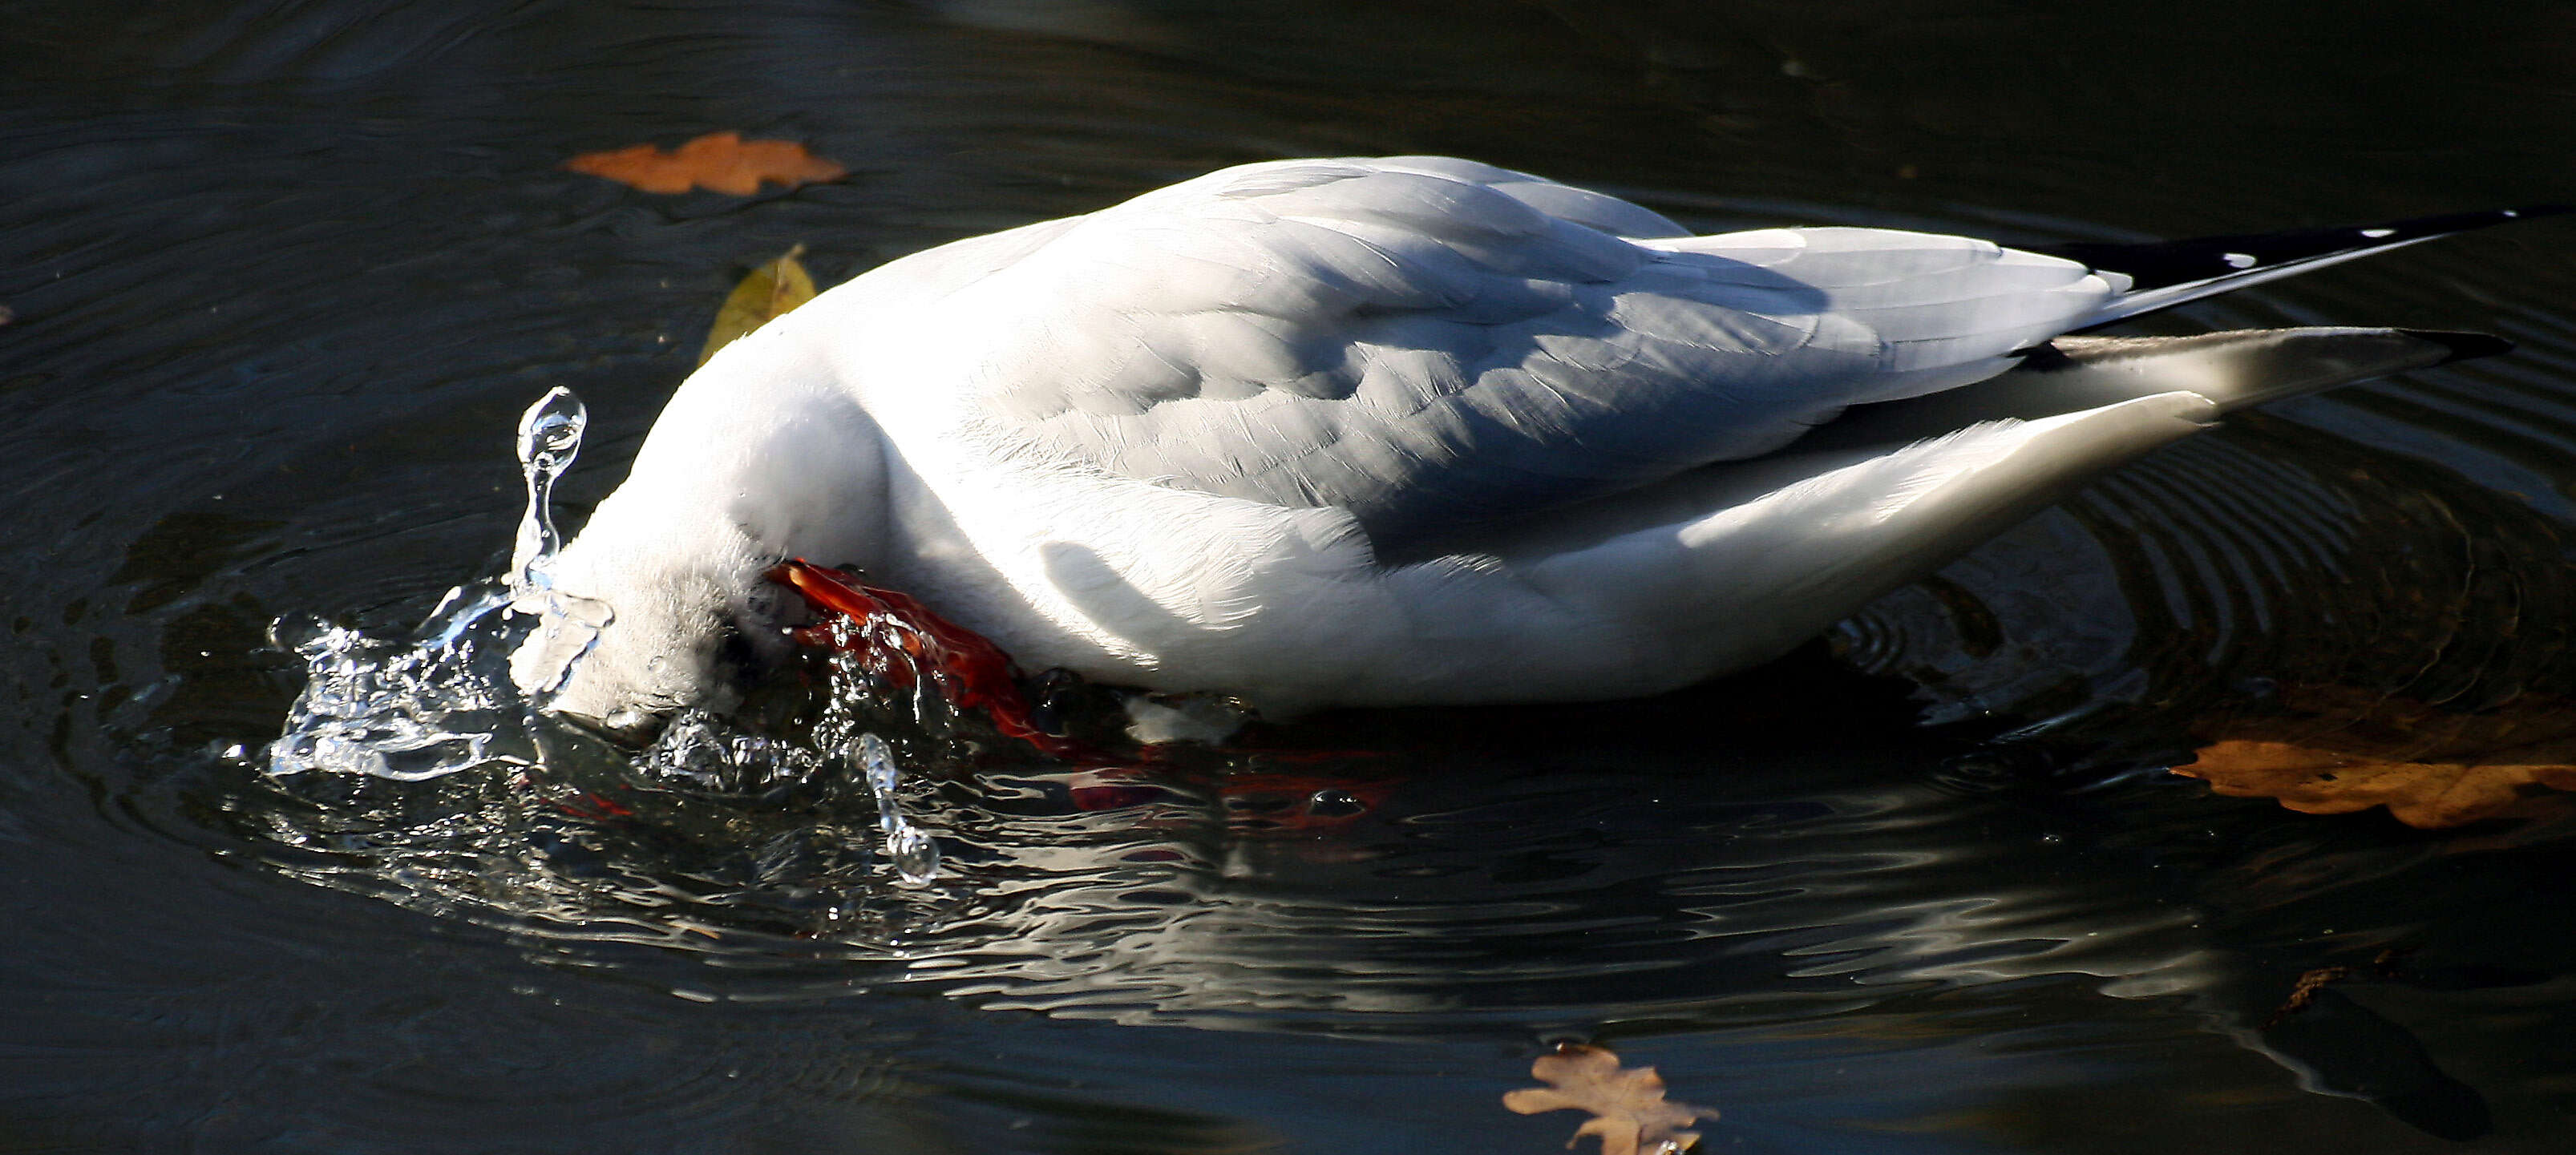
434	707
445	702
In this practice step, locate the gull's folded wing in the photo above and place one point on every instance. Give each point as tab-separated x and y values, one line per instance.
1434	343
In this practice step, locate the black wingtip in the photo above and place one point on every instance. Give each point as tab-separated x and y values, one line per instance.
2158	264
2463	346
2527	212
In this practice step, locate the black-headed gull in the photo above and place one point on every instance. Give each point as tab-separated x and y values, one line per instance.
1407	431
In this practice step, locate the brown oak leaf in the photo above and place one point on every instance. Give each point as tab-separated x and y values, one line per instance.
2430	795
2339	750
1629	1112
721	161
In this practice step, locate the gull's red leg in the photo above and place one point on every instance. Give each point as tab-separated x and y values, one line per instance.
897	638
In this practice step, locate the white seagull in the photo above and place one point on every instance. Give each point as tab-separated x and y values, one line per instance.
1405	431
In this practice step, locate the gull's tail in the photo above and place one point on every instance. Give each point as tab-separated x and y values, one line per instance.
2163	274
2233	370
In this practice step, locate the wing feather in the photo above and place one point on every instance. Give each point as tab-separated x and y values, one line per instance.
1432	343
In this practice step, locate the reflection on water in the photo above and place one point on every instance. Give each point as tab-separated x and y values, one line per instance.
2210	575
1461	894
280	273
1448	891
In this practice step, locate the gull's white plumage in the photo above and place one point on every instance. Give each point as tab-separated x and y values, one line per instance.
1377	432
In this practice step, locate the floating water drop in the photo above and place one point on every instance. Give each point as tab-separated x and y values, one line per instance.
914	854
549	438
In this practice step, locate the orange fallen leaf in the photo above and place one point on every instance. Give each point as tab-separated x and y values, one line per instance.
1629	1112
2430	795
721	161
2341	751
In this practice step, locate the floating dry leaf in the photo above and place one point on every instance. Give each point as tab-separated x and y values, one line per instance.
764	296
720	161
1629	1112
2431	795
2341	750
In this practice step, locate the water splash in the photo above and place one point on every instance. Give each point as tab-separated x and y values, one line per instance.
914	855
567	626
700	752
409	712
459	696
446	701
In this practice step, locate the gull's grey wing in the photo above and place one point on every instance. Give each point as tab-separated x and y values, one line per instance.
1432	342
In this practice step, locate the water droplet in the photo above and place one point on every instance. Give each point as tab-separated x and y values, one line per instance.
914	854
549	438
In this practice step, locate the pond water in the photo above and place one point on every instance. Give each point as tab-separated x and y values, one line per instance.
280	278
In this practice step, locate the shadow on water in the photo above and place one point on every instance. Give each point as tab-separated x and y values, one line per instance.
281	277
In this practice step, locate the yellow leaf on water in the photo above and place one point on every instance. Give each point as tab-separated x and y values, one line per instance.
764	296
1629	1112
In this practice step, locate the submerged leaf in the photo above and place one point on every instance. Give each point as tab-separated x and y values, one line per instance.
2303	994
1629	1112
764	296
719	161
2342	750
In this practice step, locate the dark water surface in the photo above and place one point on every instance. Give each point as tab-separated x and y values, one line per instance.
282	277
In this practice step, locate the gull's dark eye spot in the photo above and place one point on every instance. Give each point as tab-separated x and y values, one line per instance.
769	605
736	659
